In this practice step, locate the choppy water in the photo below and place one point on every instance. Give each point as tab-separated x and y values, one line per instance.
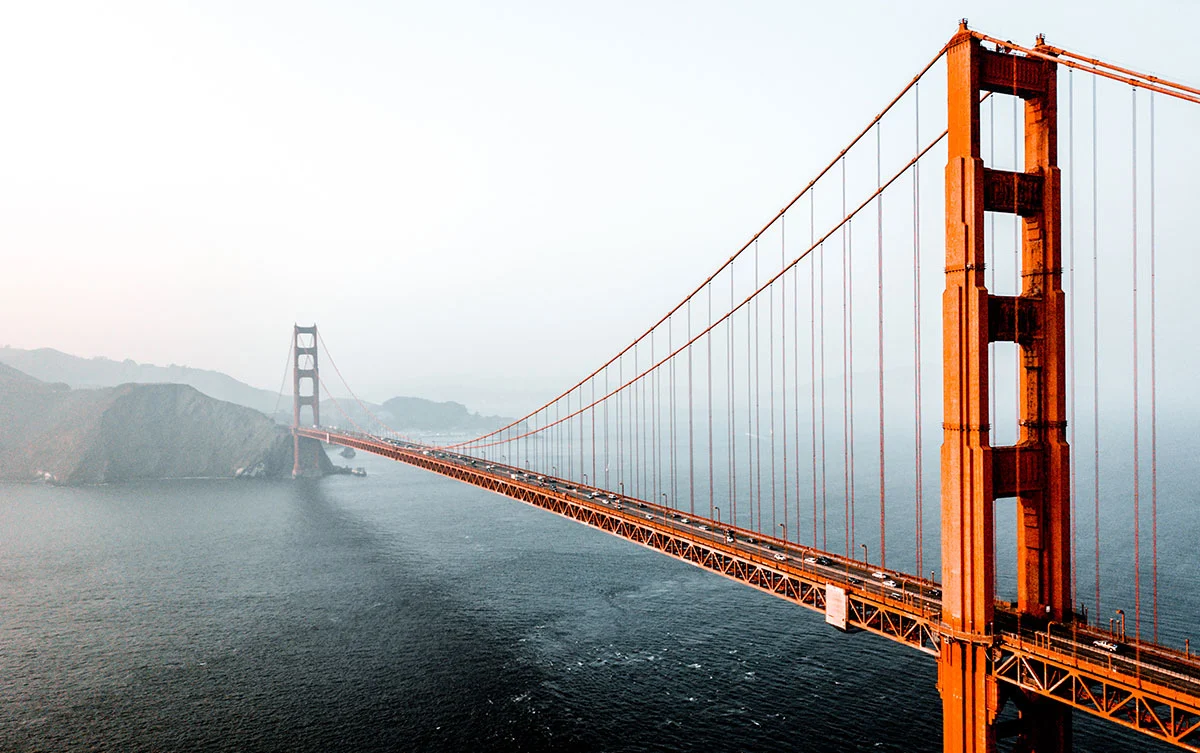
410	612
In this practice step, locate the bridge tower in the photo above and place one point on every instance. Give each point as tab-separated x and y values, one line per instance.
304	369
974	473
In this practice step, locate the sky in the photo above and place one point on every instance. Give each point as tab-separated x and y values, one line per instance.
474	201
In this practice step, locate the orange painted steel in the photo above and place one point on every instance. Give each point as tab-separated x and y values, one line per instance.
1036	470
909	620
1034	653
1096	67
1152	707
1159	699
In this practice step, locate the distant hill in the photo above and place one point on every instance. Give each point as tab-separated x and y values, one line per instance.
51	365
401	413
426	415
131	431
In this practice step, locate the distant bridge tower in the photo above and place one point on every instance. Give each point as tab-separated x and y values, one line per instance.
1035	470
304	370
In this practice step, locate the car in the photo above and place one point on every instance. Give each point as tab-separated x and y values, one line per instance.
702	527
811	560
855	581
897	595
824	561
890	583
729	538
878	575
684	520
780	557
1108	646
649	516
935	593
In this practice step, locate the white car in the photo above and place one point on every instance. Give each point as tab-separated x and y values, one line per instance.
702	527
1108	646
781	557
890	583
811	560
878	575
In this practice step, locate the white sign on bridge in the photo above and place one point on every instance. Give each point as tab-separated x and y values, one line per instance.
835	606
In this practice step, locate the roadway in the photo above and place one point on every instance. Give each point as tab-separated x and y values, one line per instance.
1073	643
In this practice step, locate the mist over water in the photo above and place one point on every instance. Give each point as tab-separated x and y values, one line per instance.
411	612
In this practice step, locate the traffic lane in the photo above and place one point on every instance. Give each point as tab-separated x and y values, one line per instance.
769	551
1177	677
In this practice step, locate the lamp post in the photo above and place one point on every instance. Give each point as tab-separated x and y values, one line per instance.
718	515
622	485
1121	614
784	527
585	479
864	546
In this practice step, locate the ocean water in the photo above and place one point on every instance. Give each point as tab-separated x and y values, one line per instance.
404	612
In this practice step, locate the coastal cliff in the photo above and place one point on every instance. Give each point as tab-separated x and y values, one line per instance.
132	431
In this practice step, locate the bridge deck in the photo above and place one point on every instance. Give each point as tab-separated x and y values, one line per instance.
1149	688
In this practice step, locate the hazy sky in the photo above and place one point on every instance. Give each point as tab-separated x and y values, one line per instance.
475	201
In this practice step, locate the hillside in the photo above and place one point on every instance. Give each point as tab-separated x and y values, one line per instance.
403	413
51	365
131	432
426	415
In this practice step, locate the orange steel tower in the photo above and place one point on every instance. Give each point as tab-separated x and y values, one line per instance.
304	367
1035	470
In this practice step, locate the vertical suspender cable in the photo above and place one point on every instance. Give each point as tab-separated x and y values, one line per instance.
879	307
783	373
592	478
846	239
796	385
1096	351
1137	554
652	459
1071	320
919	457
620	424
1153	386
771	395
636	428
691	421
671	443
712	490
850	380
733	421
813	362
753	459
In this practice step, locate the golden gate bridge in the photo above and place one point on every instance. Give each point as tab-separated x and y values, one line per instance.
741	432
